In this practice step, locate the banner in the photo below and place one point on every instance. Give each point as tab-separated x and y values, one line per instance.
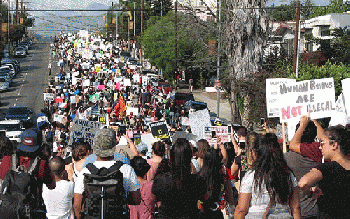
83	129
159	129
223	131
198	121
272	95
317	96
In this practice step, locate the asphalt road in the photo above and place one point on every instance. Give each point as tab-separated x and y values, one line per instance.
28	86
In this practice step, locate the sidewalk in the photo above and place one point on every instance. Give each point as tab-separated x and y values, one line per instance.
210	99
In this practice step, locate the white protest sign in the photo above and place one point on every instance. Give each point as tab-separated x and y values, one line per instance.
84	129
136	78
134	110
86	83
346	92
148	140
224	132
49	96
185	121
58	118
72	99
127	82
272	95
339	118
198	120
317	96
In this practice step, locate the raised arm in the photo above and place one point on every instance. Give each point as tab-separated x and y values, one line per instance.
294	144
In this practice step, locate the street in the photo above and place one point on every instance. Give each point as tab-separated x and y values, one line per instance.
30	83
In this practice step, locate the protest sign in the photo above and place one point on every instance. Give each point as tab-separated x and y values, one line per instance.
134	110
339	118
159	129
224	132
102	120
58	118
148	140
84	129
86	83
97	68
346	92
198	120
94	97
185	121
296	98
127	82
272	95
49	96
73	99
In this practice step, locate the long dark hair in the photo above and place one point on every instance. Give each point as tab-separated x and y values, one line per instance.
211	172
272	170
180	162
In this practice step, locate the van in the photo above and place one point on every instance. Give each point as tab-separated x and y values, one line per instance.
12	128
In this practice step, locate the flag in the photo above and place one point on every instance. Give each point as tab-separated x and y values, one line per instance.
120	108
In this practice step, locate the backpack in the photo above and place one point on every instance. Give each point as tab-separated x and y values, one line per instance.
19	191
104	193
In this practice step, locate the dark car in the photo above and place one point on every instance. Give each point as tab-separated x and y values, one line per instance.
21	113
194	105
181	98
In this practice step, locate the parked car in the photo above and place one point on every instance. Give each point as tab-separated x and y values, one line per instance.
20	52
165	87
12	69
21	113
12	128
5	73
4	84
192	106
181	98
12	61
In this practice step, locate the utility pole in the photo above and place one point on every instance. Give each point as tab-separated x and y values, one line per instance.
134	24
175	41
142	2
296	38
218	60
116	23
17	12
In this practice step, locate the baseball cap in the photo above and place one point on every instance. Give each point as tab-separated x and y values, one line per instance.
104	142
29	141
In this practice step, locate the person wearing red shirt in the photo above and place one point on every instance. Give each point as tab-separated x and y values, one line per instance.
27	151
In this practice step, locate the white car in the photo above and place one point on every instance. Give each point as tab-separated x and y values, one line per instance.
12	128
9	69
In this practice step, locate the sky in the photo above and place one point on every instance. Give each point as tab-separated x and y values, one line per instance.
70	4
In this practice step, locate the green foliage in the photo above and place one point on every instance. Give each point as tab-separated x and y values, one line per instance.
309	71
283	12
335	6
158	41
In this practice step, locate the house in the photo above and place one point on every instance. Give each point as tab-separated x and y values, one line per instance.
321	27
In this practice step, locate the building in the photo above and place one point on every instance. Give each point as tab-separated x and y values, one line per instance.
321	28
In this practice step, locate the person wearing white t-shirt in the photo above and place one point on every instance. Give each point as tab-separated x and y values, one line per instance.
269	190
104	148
59	200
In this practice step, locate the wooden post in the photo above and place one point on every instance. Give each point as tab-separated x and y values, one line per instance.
284	138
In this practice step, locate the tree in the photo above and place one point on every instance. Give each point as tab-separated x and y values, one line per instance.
285	12
335	6
246	31
158	41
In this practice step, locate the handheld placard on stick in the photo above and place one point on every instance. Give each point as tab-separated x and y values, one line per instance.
284	138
